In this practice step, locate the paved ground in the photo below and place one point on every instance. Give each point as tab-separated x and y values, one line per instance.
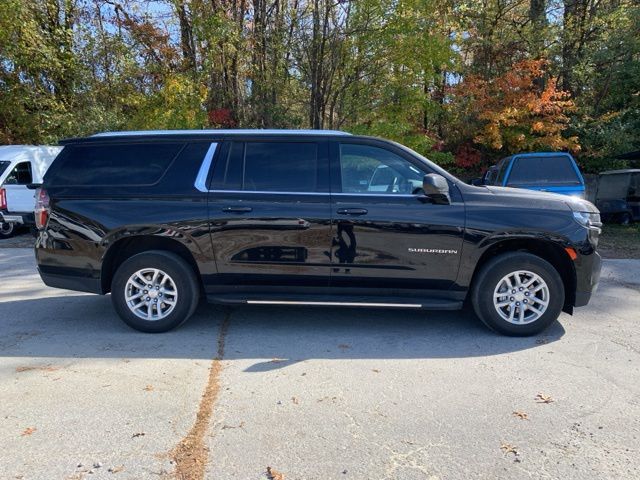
315	393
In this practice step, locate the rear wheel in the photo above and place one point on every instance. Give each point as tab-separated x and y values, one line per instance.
155	291
6	229
518	294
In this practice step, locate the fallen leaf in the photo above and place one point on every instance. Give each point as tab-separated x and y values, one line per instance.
542	398
294	400
43	368
139	434
116	469
28	431
148	388
240	425
274	474
375	370
508	448
521	415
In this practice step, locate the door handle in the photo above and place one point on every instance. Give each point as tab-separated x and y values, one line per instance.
352	211
237	209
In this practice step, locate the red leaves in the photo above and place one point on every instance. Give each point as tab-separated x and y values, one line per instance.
521	110
221	117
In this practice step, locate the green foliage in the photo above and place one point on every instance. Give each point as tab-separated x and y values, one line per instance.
442	77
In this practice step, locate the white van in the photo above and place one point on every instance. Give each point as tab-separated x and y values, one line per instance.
21	165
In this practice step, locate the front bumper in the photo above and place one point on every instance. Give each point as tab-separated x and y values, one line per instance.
587	278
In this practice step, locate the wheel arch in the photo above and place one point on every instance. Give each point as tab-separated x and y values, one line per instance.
550	251
128	246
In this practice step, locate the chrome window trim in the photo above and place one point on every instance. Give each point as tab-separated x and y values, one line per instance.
263	192
203	173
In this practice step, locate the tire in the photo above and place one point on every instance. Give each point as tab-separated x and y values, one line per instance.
492	278
625	218
181	288
6	229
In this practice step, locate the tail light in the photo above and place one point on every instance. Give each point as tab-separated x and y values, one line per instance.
42	208
3	199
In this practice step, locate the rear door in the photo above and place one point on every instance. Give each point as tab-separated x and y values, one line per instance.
19	198
389	236
269	213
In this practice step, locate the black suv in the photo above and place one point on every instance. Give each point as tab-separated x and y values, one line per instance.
160	219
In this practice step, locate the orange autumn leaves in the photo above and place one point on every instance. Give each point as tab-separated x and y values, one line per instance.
521	110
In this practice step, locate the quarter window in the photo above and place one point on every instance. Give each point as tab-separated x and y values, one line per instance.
106	165
368	169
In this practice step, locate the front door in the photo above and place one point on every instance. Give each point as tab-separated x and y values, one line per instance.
387	234
269	213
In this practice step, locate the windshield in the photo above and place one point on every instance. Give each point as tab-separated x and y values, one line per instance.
547	170
3	167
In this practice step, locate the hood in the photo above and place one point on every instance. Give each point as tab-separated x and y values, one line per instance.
536	198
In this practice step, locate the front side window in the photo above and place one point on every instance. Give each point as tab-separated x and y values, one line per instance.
20	175
368	169
540	171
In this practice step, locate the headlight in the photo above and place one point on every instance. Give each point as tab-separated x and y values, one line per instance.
588	219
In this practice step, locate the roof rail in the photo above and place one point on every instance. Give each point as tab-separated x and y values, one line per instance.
133	133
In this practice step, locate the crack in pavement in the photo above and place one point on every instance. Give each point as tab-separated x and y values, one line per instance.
190	455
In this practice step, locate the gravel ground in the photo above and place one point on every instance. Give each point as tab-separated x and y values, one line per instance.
314	393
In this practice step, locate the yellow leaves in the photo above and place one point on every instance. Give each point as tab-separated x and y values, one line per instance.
542	398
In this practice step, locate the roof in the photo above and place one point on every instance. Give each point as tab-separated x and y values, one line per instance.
13	152
539	154
136	133
626	170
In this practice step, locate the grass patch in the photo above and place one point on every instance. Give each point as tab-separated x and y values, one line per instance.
620	241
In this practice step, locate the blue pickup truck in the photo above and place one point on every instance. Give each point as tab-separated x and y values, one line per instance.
555	172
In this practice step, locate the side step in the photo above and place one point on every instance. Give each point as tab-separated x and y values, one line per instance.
338	301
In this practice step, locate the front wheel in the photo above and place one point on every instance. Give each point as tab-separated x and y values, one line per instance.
155	291
518	294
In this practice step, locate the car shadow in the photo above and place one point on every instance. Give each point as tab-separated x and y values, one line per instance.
86	326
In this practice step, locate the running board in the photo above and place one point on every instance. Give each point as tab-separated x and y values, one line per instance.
333	301
335	304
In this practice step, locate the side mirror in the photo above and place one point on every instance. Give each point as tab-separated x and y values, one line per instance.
436	188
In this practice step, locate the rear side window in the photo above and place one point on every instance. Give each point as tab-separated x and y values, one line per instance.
110	165
269	167
20	175
548	170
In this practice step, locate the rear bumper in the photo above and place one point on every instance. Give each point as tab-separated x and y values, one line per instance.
80	283
19	218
